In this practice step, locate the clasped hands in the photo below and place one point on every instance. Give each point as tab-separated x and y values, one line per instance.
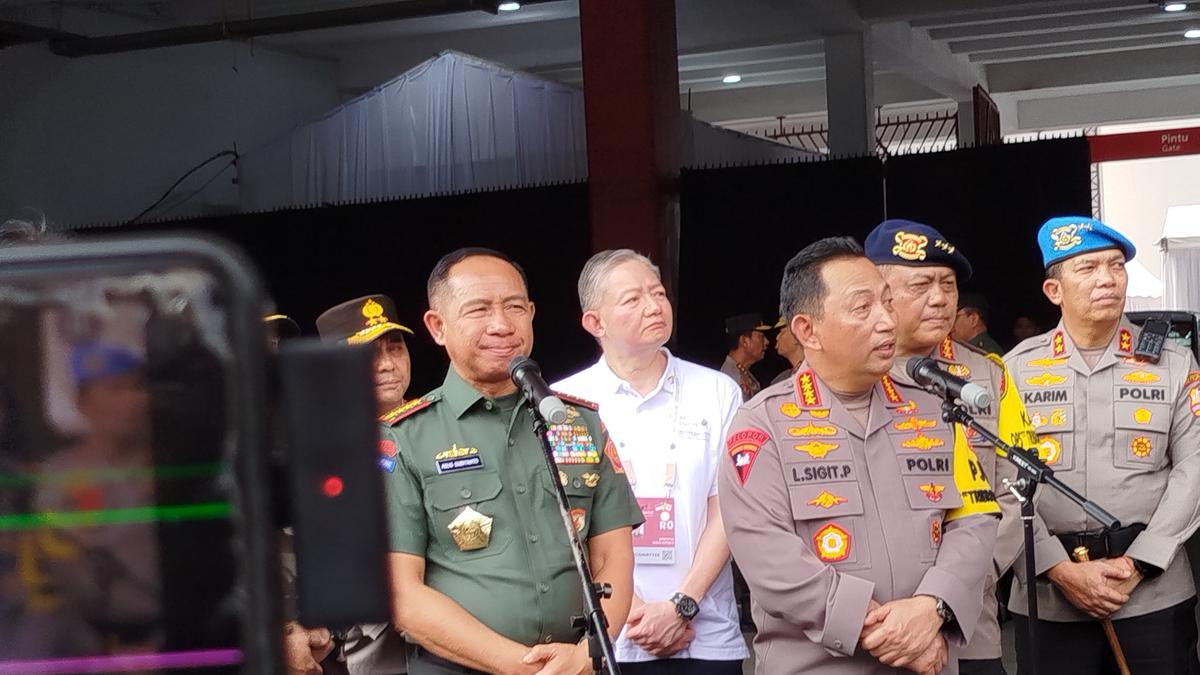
906	633
1097	587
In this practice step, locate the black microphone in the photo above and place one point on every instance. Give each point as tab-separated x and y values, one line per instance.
925	372
526	374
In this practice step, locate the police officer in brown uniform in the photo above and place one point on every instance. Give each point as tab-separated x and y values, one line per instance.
923	270
863	522
1124	431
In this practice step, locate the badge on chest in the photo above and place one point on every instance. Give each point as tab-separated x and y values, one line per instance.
654	540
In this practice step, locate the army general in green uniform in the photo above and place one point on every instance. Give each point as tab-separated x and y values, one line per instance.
482	572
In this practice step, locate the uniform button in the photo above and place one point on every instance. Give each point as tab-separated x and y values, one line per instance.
544	587
547	639
520	489
512	442
837	644
488	405
533	537
466	494
577	483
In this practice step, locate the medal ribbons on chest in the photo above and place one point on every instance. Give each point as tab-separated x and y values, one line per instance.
572	443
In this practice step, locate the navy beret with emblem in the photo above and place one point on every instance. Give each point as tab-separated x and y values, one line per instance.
1068	236
904	242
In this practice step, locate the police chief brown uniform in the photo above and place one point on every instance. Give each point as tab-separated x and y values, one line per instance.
864	539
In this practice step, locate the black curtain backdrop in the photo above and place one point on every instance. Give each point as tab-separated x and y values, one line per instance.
990	202
740	225
315	258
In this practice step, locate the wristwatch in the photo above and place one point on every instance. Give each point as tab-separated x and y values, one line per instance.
944	612
685	606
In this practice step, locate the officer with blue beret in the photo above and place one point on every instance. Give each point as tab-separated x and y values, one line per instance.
94	360
1122	426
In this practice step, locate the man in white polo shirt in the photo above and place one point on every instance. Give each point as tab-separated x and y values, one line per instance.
668	418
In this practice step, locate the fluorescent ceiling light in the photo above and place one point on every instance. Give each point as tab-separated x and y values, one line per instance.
1192	34
1174	6
732	79
508	6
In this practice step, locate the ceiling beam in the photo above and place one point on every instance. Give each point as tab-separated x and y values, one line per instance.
947	12
1058	37
911	53
1076	49
1094	69
1058	22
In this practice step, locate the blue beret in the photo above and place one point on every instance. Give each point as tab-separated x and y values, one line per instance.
95	360
1068	236
903	242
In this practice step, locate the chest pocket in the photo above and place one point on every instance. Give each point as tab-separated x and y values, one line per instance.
1140	438
580	486
829	516
447	497
1052	415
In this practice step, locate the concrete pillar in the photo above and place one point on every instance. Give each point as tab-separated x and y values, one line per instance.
849	93
966	124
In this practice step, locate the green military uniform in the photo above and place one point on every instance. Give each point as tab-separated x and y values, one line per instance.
468	490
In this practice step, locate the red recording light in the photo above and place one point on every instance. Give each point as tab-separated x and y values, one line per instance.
332	486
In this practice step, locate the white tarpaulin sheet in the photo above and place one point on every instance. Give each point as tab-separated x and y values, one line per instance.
452	123
1180	244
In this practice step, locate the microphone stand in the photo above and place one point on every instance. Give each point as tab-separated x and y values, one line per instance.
600	646
1032	470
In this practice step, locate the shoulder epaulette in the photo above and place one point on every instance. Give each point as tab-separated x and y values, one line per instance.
582	402
972	348
1033	342
393	416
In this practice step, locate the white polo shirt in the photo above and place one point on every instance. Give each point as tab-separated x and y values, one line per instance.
683	421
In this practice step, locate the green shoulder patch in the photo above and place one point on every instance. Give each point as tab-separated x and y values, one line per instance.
392	417
581	402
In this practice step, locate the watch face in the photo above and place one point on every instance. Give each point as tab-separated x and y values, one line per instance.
687	607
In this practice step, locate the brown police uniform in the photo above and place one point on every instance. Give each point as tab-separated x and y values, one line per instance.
1125	434
824	515
1006	417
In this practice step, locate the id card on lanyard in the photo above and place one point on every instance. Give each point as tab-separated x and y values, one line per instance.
654	540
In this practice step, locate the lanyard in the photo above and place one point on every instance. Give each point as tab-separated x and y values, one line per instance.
670	471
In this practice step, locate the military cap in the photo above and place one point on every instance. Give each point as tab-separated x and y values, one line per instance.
781	322
94	360
284	326
360	320
744	323
1068	236
904	242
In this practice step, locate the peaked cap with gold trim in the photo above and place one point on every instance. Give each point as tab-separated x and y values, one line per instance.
360	320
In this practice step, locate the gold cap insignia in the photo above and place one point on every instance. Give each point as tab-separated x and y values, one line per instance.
910	246
373	312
